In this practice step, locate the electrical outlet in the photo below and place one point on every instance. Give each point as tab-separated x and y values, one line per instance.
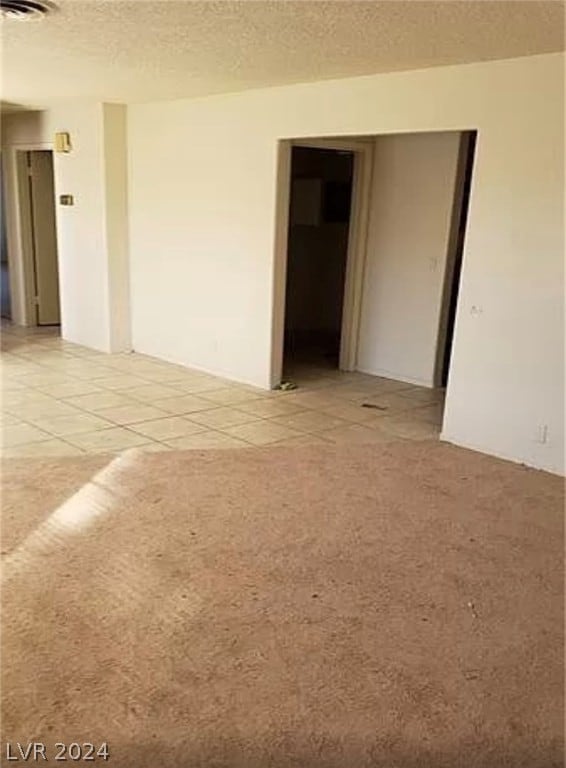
542	433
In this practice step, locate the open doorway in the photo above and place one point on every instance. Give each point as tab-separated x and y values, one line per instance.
455	256
404	218
36	195
317	250
5	299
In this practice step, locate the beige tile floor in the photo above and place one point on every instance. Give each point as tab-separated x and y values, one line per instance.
61	399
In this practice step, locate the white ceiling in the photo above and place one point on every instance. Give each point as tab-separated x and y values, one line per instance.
143	50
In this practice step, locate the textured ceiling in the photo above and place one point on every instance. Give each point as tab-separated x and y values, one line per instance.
142	50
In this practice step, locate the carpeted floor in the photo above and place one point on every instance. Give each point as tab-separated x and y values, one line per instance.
394	605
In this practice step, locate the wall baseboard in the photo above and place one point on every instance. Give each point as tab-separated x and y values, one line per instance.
397	377
525	461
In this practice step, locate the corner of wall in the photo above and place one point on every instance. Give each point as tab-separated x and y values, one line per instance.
114	118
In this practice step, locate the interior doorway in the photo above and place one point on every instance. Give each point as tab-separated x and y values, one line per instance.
331	184
5	297
36	193
377	292
317	249
455	256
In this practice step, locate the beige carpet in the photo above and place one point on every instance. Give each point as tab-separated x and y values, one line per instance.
395	606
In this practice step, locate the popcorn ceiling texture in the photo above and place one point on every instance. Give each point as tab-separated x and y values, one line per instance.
394	606
146	51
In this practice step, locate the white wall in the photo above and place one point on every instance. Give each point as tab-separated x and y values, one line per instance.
85	244
202	222
413	185
201	215
81	230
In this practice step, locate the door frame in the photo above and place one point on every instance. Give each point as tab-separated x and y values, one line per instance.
20	246
362	150
41	190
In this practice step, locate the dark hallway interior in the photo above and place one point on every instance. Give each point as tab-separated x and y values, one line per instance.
319	217
5	302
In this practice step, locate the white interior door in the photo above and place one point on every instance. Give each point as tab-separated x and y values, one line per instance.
42	198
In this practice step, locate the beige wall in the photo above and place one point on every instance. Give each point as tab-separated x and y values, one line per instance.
413	185
202	223
116	208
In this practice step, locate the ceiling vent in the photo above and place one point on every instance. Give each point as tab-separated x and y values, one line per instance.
25	10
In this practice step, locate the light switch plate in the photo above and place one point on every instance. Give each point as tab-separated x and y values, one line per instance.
66	199
62	142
